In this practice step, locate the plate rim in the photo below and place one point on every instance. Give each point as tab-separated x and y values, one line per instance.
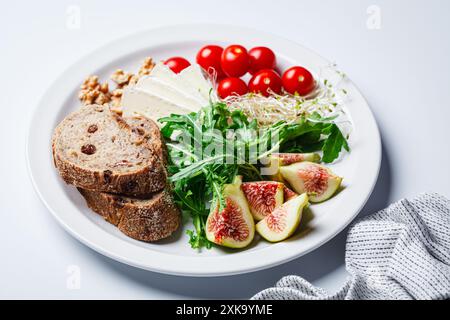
219	28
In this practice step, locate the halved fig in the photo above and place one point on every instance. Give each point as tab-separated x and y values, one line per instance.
290	158
283	221
277	160
288	194
232	227
319	182
263	197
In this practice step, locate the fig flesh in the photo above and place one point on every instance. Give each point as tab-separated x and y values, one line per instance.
288	194
263	197
283	221
319	182
277	160
233	226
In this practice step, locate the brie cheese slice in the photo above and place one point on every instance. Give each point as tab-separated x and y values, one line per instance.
193	75
137	101
176	81
164	92
159	88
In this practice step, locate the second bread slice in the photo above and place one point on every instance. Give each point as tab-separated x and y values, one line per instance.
151	219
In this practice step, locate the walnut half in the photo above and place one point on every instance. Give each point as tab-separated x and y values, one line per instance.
92	91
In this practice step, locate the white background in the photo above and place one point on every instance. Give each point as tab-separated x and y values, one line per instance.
403	69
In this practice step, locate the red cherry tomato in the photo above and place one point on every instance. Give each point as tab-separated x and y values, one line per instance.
231	86
265	82
209	59
261	58
177	64
298	80
235	61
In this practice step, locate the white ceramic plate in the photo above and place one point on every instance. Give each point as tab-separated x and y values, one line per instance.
174	256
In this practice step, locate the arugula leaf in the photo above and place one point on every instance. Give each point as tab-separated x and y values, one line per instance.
333	144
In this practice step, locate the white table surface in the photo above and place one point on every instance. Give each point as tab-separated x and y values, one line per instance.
403	69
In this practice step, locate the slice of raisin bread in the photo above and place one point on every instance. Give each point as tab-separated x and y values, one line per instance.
96	149
155	138
147	220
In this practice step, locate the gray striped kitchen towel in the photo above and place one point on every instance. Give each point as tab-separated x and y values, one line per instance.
401	252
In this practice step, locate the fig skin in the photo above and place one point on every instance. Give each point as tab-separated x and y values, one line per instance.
283	221
263	197
221	226
277	160
318	181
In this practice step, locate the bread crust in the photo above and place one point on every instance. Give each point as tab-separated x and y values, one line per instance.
141	181
146	220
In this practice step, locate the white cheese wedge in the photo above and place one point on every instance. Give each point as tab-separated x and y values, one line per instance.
193	75
163	73
164	92
137	101
167	92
